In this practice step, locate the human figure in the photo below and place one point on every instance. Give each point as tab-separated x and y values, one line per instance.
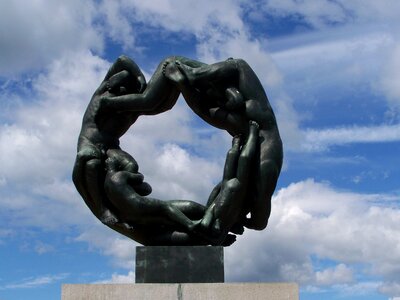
156	222
207	86
125	188
227	206
104	124
101	131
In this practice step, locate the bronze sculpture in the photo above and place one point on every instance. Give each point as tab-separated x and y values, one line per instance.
227	95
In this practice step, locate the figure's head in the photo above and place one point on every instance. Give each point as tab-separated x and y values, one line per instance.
143	189
118	160
127	83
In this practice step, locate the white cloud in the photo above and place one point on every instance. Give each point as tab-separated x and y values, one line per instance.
317	13
322	139
117	25
34	282
391	77
337	275
109	243
311	219
353	43
38	146
36	32
186	16
119	278
42	248
323	13
391	289
357	289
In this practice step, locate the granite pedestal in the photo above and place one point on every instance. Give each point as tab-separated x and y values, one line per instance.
179	264
184	291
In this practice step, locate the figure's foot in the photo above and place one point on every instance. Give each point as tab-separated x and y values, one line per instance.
254	124
254	127
124	226
237	139
172	72
187	71
108	218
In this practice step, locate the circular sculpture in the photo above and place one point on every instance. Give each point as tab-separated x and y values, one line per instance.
227	95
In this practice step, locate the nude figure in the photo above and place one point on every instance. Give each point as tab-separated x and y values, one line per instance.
227	205
101	131
153	221
228	95
104	122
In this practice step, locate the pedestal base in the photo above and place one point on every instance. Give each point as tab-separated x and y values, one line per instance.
179	264
187	291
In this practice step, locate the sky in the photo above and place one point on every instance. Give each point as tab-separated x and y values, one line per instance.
331	69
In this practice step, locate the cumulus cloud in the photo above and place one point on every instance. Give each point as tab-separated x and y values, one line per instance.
323	13
38	144
36	32
337	275
312	219
121	250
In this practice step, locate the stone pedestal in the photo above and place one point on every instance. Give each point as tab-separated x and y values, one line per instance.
186	291
176	273
179	264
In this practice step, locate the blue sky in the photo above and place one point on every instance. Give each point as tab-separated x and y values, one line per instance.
331	69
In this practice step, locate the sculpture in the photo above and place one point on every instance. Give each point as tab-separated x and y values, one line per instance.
227	95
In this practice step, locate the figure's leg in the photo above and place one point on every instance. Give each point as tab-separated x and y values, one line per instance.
231	162
210	73
214	194
247	154
94	175
160	95
260	207
267	170
88	177
233	72
229	173
233	193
